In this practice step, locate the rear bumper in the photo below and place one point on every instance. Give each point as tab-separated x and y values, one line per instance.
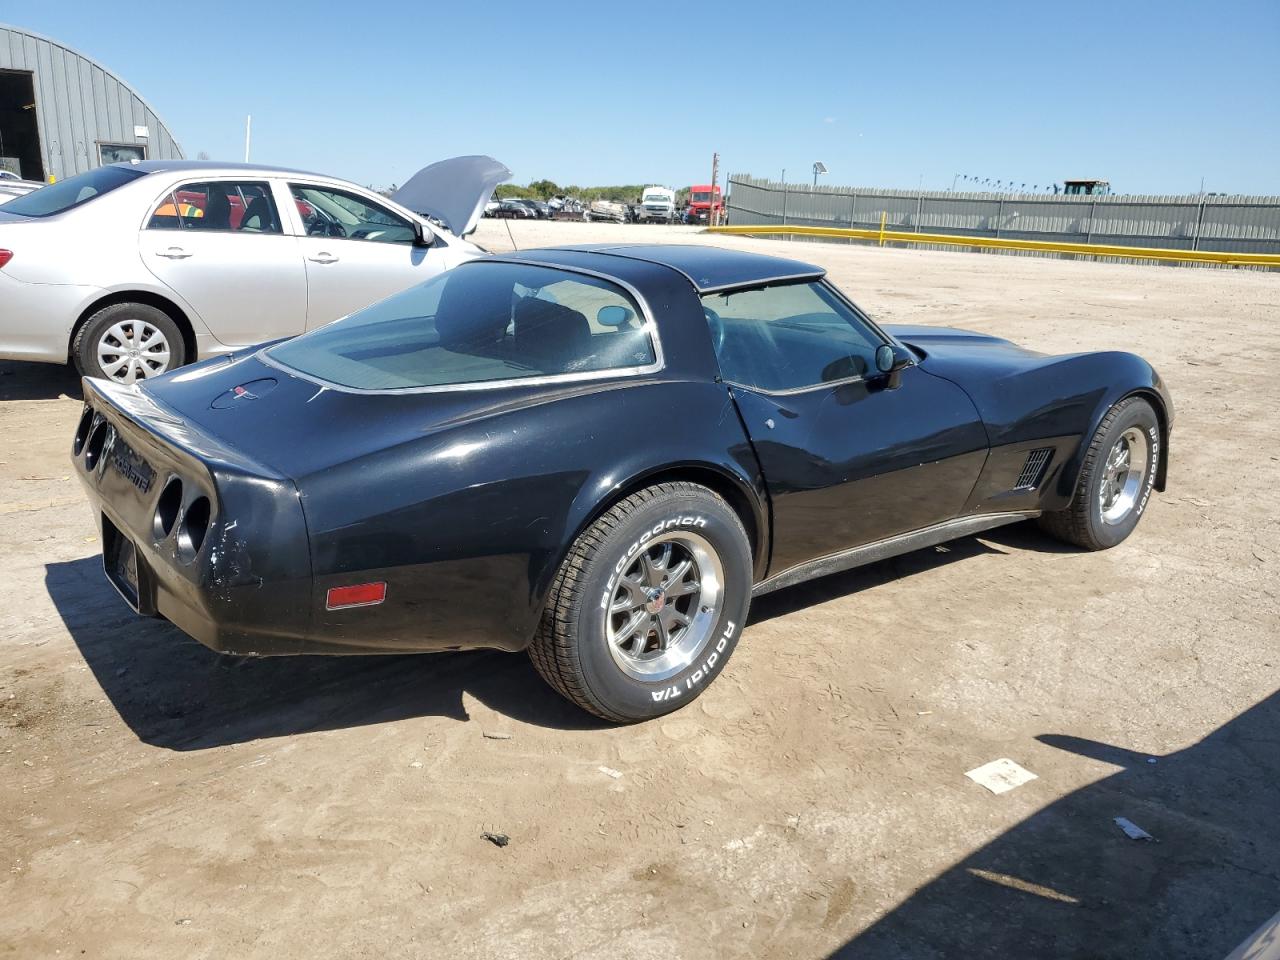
216	545
36	318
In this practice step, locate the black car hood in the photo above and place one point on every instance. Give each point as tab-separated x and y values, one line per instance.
947	349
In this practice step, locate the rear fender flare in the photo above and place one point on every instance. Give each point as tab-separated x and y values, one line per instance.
603	489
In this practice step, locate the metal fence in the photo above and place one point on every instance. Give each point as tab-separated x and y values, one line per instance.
1230	223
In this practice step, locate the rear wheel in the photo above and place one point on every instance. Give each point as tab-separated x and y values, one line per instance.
648	606
1116	479
127	342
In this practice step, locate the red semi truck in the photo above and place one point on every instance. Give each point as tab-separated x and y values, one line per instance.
701	201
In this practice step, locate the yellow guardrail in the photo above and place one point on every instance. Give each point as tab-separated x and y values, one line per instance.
1002	243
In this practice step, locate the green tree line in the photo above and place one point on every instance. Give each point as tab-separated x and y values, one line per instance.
546	189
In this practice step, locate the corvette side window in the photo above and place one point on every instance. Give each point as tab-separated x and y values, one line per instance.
788	337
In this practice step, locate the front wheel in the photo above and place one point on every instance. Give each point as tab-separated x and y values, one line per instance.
649	604
1116	479
127	342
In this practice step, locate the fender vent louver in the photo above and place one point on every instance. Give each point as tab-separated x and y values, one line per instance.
1033	470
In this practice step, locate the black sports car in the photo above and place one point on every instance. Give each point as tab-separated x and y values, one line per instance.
599	454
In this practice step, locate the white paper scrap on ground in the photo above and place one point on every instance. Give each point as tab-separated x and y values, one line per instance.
1132	830
1000	776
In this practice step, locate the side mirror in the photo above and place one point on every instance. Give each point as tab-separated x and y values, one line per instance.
890	362
614	316
422	235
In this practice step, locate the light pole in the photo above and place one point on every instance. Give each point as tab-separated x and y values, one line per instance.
818	167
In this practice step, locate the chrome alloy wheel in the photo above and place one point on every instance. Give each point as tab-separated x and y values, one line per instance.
663	606
133	350
1123	474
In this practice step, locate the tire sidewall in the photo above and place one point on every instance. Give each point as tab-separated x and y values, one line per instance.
711	519
1138	415
86	347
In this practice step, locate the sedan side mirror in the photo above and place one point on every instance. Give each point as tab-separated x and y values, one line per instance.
422	235
890	362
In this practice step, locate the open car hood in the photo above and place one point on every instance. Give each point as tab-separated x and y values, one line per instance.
453	191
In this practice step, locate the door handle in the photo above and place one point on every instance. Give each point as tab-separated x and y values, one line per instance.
323	258
173	253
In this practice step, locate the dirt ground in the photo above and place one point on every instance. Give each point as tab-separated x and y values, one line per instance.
157	800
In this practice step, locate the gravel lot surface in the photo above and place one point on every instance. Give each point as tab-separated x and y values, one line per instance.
157	800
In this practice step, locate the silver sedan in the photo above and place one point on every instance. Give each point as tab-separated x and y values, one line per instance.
133	269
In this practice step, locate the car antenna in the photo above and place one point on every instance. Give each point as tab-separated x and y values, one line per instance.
507	221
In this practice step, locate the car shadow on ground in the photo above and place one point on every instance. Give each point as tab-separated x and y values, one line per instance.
177	694
1067	882
37	381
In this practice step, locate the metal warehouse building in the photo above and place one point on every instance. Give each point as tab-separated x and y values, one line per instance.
62	113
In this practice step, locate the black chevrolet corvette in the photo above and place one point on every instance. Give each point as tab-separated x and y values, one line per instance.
598	454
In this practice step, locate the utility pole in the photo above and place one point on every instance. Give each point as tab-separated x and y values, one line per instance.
248	130
714	216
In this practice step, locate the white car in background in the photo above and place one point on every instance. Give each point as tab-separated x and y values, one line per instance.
659	203
12	186
136	268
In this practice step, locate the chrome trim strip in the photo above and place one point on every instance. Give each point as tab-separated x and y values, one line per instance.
767	282
889	547
792	391
649	325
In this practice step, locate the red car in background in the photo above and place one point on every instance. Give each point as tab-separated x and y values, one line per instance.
703	201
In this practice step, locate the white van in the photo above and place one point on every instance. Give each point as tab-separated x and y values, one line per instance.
659	203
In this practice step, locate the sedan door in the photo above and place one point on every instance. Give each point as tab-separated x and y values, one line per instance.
849	456
356	251
220	246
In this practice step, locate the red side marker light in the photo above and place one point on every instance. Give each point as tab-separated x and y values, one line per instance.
358	595
5	257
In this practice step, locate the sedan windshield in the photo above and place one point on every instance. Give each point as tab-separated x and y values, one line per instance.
72	192
481	322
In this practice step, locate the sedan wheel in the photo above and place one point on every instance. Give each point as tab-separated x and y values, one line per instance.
133	350
128	342
647	607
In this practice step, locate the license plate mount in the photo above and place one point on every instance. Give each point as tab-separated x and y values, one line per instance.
120	563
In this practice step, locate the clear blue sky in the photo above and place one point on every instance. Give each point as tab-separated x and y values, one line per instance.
1152	96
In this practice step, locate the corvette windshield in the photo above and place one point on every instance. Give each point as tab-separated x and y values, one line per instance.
481	322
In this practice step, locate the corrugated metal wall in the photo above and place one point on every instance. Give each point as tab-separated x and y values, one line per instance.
1236	223
80	104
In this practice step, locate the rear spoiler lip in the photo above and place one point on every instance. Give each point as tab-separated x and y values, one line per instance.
169	427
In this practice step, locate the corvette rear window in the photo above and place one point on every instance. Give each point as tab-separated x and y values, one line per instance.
480	322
